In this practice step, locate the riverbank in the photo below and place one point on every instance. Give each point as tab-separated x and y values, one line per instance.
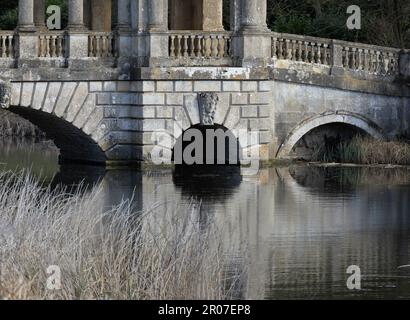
118	253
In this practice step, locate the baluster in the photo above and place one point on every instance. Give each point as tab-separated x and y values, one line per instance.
280	51
319	52
184	46
41	46
47	46
354	67
305	52
105	46
378	64
172	46
214	42
292	50
197	46
11	46
54	46
191	48
220	46
98	46
359	59
60	46
299	50
326	53
178	46
365	60
288	52
274	47
385	63
371	62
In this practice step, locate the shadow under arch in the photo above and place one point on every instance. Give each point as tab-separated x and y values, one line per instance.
310	124
75	145
215	176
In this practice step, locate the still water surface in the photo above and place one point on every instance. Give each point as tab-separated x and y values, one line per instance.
303	226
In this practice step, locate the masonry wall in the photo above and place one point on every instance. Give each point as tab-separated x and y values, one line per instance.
295	103
133	110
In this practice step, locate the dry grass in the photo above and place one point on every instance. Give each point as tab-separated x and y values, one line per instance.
367	151
14	126
107	254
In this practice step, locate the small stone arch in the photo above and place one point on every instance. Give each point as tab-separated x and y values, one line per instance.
308	125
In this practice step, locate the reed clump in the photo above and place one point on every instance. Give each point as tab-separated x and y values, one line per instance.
366	151
114	253
12	125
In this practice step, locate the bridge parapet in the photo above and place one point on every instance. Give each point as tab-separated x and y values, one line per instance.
350	56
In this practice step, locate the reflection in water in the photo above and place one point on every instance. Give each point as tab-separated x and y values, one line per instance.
303	226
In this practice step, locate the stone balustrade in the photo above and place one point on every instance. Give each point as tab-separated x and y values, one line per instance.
354	56
51	45
101	45
301	48
205	45
371	59
7	44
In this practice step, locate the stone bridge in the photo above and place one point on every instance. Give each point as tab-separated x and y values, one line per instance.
100	92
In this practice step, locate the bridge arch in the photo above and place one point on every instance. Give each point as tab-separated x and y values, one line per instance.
67	113
310	124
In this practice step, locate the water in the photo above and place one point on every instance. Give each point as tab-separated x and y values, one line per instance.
303	226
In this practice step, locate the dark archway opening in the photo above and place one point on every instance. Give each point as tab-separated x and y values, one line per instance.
208	155
207	162
75	146
326	143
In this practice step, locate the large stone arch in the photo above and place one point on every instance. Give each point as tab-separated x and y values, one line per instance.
335	117
67	113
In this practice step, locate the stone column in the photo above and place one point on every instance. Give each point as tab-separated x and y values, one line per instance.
124	15
212	15
157	44
101	15
77	43
75	15
252	41
26	15
254	15
39	14
157	19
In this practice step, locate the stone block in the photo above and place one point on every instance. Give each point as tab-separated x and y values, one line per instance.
51	97
183	86
260	98
77	101
26	94
249	86
96	86
39	93
249	112
207	86
175	99
239	98
165	86
64	98
110	86
192	109
231	86
86	110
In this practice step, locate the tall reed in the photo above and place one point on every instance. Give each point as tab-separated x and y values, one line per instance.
367	151
114	253
13	125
